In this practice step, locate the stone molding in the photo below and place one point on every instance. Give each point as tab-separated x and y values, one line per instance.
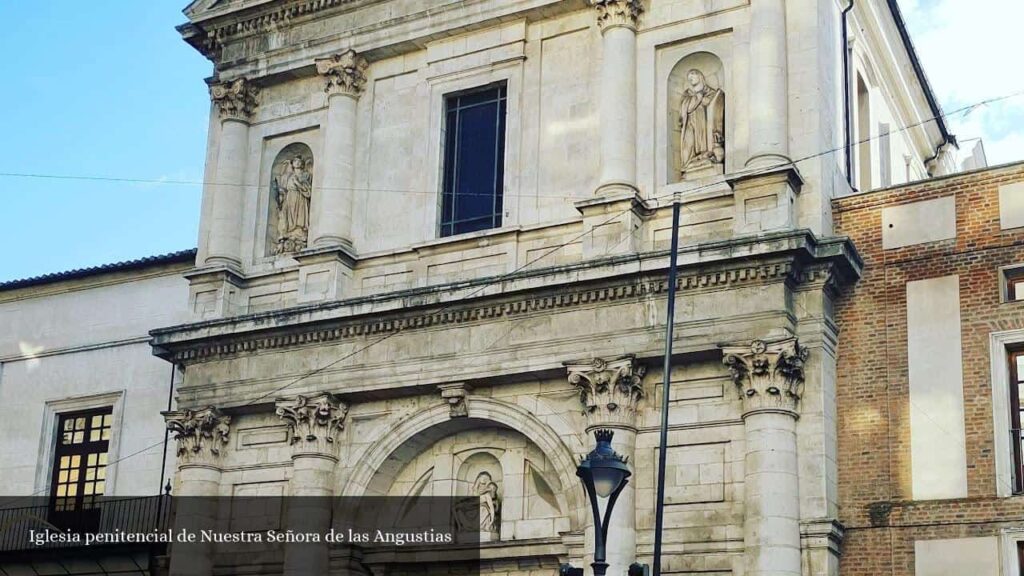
235	100
612	13
610	390
201	434
313	422
457	398
345	73
369	326
769	376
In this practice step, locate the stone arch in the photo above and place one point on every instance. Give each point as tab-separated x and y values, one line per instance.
379	465
713	71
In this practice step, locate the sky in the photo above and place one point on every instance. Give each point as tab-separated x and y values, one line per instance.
109	89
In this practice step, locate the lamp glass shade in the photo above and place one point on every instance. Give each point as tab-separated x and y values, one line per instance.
607	480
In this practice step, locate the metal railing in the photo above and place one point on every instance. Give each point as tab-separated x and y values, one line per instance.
35	516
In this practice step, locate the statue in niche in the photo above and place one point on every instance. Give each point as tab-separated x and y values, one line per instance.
489	507
702	124
292	187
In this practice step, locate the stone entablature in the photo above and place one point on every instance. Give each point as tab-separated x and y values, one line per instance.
314	422
201	434
768	375
610	390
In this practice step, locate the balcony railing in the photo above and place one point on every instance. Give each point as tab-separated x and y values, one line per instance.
108	515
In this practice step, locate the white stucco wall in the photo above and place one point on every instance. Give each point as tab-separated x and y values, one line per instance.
81	345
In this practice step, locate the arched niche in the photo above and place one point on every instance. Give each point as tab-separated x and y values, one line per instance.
290	193
697	108
432	454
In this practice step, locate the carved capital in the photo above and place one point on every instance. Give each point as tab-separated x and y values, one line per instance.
314	422
345	73
201	434
457	398
611	13
235	100
610	390
768	376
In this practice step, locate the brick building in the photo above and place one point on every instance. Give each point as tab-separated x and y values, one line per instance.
929	441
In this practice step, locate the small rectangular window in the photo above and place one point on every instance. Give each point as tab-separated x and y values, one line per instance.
474	160
1013	282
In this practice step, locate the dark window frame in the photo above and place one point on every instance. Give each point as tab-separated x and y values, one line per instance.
80	459
1009	278
456	104
1017	450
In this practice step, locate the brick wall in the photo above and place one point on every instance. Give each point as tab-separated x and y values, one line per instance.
873	389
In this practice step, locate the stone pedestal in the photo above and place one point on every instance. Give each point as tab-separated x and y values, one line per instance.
769	96
611	392
331	207
201	435
324	273
612	224
769	378
214	292
765	199
314	424
235	102
618	21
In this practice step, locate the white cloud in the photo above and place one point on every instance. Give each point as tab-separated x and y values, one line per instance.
970	51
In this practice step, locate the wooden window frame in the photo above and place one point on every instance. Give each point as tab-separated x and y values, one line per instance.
80	460
1010	277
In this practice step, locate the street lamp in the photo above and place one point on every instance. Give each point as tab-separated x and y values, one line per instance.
604	474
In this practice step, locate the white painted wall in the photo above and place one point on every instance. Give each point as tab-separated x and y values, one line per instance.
957	557
64	350
937	437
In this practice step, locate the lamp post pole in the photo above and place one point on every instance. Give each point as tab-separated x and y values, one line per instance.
604	473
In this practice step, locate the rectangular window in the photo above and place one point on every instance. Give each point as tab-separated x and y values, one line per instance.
1016	367
1014	284
80	460
474	160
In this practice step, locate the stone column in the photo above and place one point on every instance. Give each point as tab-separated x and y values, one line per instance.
768	93
202	436
235	102
770	378
611	391
314	424
618	21
345	76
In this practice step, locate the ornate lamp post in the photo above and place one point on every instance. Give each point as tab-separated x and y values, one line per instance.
604	474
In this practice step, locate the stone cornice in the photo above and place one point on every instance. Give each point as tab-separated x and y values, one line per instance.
794	257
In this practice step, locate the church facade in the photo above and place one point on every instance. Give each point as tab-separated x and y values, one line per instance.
433	254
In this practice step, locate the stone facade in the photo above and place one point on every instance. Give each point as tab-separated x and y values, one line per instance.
925	459
449	366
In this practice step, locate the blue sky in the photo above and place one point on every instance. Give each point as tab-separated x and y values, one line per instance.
109	89
104	89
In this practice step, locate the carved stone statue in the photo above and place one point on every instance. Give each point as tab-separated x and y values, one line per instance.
489	510
701	123
292	187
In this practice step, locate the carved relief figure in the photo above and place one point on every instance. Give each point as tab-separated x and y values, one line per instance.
702	124
291	188
489	507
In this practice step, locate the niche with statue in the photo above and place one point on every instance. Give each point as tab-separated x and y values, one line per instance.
291	191
696	118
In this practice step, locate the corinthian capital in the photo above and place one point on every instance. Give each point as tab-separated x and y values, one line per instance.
314	422
769	376
201	434
345	73
235	100
611	13
610	390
